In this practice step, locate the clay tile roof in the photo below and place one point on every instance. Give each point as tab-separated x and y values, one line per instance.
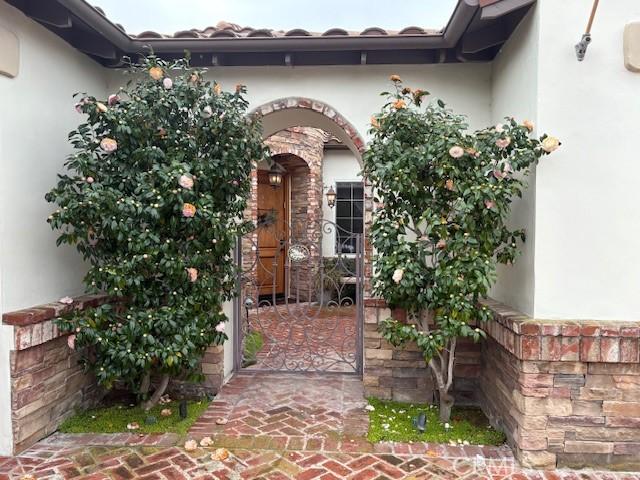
224	29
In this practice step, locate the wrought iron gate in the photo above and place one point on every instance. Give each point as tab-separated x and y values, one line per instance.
296	309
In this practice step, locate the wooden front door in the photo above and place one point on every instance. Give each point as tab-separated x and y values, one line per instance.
272	235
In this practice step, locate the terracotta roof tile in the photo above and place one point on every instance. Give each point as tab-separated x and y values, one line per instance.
225	29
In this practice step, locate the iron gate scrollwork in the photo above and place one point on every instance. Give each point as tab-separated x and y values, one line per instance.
298	310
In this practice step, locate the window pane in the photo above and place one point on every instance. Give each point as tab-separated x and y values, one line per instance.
344	225
358	191
357	226
343	191
343	208
347	245
357	209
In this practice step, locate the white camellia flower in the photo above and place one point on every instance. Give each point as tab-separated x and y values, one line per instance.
550	144
398	274
370	408
207	112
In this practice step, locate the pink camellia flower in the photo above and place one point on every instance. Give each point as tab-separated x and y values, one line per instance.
156	73
528	124
489	204
113	99
101	107
66	300
89	179
499	174
185	181
456	151
220	327
441	243
193	274
188	210
448	184
78	107
499	128
503	142
167	83
550	144
108	145
71	341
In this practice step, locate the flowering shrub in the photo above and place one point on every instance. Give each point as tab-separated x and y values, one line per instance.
153	199
443	197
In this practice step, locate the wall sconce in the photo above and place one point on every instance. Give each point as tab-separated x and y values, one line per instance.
275	175
331	197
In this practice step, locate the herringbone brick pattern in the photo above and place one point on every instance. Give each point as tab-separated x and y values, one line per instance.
287	408
173	463
277	427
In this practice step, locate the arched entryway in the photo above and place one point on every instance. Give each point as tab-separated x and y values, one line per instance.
308	310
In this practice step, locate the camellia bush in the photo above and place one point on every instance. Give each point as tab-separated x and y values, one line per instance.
443	196
153	198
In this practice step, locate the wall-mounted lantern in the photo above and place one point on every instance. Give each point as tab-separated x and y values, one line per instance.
275	175
331	197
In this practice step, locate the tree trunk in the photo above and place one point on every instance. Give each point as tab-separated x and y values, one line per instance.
144	386
155	398
446	404
442	369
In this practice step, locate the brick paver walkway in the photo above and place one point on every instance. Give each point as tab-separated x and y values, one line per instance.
277	427
306	337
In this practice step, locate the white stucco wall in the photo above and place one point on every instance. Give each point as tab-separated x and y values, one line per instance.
587	260
36	114
354	91
514	93
337	166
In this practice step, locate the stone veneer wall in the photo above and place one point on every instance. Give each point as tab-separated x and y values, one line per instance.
567	394
48	385
401	373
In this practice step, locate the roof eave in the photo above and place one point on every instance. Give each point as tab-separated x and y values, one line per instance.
85	28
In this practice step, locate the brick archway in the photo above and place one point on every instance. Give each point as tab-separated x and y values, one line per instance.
309	112
312	113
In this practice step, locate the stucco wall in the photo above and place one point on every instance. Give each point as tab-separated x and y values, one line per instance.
587	214
354	90
36	114
514	91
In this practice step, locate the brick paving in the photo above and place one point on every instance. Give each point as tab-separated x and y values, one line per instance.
306	337
277	427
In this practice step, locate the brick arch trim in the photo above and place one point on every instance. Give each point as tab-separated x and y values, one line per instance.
304	103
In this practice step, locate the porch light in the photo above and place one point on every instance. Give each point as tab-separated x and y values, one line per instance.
275	175
331	197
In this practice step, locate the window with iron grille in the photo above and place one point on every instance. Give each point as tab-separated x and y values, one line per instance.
349	215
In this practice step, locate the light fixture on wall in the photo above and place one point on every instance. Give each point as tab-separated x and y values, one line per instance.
331	197
275	174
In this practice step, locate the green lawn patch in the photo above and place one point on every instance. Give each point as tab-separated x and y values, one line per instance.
114	419
393	421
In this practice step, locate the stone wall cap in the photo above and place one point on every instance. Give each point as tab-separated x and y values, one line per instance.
49	311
